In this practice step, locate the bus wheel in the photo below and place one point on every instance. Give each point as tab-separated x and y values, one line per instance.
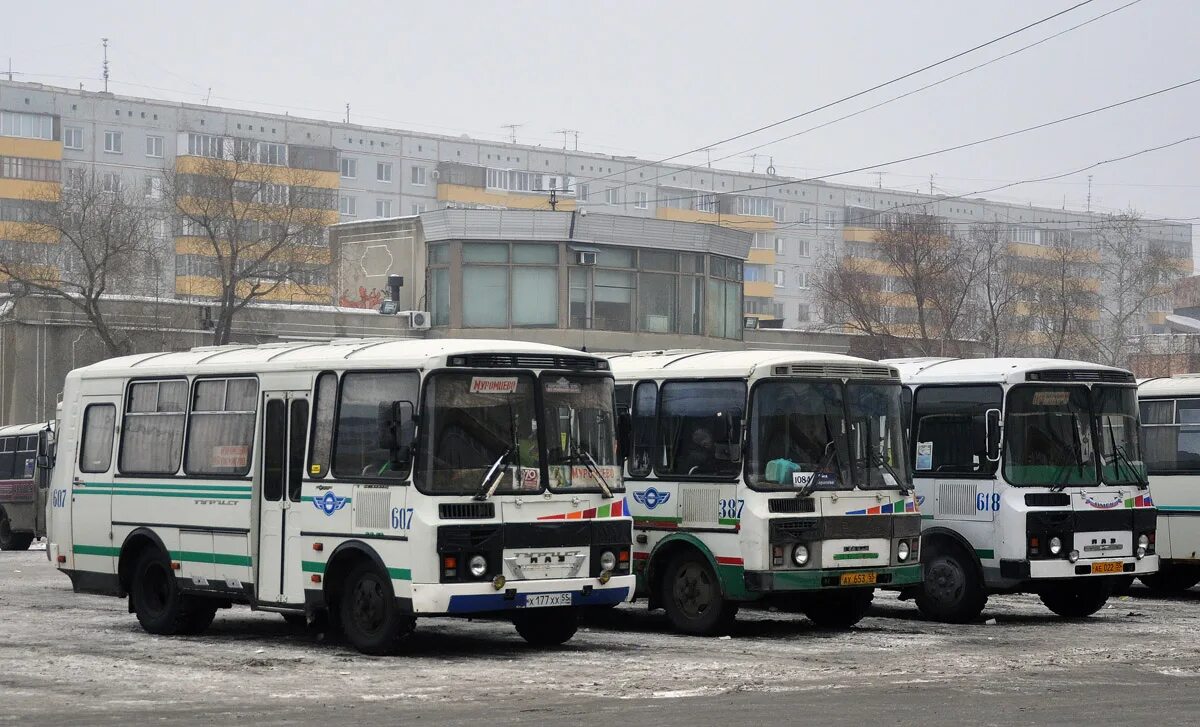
952	591
370	619
160	606
839	610
543	627
10	540
692	596
1172	579
1079	599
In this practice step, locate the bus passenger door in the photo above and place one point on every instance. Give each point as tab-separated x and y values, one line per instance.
285	426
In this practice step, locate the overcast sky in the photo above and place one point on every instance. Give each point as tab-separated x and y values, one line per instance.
657	79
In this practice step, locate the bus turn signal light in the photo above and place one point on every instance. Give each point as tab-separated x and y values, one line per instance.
316	577
318	547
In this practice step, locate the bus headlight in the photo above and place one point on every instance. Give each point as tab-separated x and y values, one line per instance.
608	561
902	551
477	565
1055	545
800	555
1143	544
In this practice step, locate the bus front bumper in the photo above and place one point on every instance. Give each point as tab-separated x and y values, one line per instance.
783	581
1062	568
480	598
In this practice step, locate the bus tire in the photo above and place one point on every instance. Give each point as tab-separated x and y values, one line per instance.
160	606
370	619
839	610
1171	579
1078	599
546	627
10	540
691	595
952	589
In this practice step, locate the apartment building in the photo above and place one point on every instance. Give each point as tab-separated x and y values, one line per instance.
372	172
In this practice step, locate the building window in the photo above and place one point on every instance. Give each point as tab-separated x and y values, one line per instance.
348	206
418	176
73	138
778	213
383	171
205	145
803	217
755	273
263	152
780	280
802	279
154	146
831	218
36	170
778	245
383	208
349	168
612	195
641	200
26	126
418	209
154	189
583	192
804	249
112	142
755	206
803	313
110	182
761	241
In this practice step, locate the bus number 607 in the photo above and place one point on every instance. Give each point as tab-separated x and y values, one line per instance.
402	518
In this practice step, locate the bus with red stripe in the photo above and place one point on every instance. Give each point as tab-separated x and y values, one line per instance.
765	477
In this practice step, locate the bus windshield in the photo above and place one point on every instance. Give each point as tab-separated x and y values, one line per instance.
470	422
1048	437
580	435
877	433
798	436
1116	409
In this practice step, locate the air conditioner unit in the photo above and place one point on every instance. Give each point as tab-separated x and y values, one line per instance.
418	320
583	257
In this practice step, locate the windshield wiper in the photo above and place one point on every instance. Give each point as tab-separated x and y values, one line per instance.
1064	476
1120	457
875	457
586	457
491	480
831	453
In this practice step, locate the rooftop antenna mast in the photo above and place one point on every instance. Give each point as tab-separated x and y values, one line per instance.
512	131
753	161
104	42
564	132
1089	201
347	112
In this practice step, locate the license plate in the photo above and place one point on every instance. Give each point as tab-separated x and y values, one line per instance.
1108	566
858	579
543	600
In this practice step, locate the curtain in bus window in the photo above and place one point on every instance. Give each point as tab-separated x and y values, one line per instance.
95	453
365	398
700	428
152	440
1160	435
221	429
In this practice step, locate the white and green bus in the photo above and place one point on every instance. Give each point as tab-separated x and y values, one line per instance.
1030	478
765	477
370	481
1170	410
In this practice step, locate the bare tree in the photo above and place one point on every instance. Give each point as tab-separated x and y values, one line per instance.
92	240
1001	291
854	296
1133	271
1063	296
257	227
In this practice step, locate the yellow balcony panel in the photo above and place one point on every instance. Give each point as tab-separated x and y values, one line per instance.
207	166
28	232
1025	249
30	148
764	256
870	265
745	223
25	189
898	300
201	208
186	245
205	287
759	289
45	274
860	234
1184	265
678	215
1156	318
511	200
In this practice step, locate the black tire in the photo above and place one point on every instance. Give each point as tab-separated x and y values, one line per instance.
369	616
1172	579
1077	599
10	540
546	627
839	610
952	589
158	603
691	595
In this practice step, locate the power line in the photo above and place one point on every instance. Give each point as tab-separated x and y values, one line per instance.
855	95
889	100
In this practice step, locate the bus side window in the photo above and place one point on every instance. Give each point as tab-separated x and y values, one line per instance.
644	426
950	429
322	428
8	454
624	399
357	450
95	452
221	427
152	434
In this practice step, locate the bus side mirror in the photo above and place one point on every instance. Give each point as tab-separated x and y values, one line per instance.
397	429
45	451
993	431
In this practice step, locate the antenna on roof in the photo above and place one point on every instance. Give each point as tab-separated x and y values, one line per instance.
104	66
512	131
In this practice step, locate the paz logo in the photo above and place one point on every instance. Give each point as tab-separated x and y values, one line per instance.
651	498
329	503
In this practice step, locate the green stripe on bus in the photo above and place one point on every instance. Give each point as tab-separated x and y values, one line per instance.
728	521
854	556
164	486
95	550
1179	508
192	556
604	511
985	554
656	519
312	566
400	574
195	494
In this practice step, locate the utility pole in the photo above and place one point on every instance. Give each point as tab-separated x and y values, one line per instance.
564	132
1089	201
512	131
930	185
104	42
879	177
753	161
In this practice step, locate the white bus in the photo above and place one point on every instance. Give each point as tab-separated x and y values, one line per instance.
369	480
763	476
1171	434
1030	478
23	484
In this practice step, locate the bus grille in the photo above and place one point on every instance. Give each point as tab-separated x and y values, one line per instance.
699	505
956	498
1114	377
838	371
790	504
529	361
467	510
371	508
